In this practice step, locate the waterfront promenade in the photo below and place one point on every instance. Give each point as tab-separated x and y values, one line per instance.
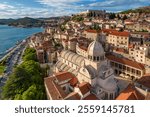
14	57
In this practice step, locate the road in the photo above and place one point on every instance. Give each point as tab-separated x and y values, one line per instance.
14	58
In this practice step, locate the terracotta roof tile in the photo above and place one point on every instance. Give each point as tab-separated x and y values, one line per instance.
83	48
62	76
145	81
130	93
115	32
92	31
126	62
53	89
120	50
73	82
84	87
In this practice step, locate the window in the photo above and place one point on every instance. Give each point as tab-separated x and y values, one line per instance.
98	58
128	69
133	71
120	66
116	64
94	58
124	67
111	96
138	72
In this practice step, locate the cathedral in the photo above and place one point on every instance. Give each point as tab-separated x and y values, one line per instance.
92	67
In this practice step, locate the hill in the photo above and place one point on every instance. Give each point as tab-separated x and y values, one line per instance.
145	9
5	21
26	22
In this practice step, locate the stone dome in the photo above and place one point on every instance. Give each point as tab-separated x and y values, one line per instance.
95	49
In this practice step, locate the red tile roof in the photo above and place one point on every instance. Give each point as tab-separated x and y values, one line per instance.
130	93
62	76
108	30
91	97
120	50
126	62
84	87
115	32
92	31
83	48
53	89
73	82
145	81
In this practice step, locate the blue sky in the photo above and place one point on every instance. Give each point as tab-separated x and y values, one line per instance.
49	8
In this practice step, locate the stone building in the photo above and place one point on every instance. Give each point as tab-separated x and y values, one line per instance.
91	67
126	68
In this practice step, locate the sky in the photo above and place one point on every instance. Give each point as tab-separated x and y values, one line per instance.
51	8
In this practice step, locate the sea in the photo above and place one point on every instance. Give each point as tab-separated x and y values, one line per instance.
9	36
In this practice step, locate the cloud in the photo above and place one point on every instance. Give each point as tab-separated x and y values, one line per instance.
120	3
70	6
48	8
5	6
19	10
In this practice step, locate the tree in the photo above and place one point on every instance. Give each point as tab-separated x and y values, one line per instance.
30	93
17	83
112	16
118	16
29	50
124	17
30	56
33	93
94	14
26	80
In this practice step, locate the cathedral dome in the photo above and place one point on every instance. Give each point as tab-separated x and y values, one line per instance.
95	49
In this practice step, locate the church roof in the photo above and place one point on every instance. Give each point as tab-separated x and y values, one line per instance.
95	49
62	76
72	57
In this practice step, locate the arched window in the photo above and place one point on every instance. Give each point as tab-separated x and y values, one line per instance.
97	58
111	96
94	58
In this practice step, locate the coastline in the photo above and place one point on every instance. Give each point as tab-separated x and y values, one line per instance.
9	51
15	40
